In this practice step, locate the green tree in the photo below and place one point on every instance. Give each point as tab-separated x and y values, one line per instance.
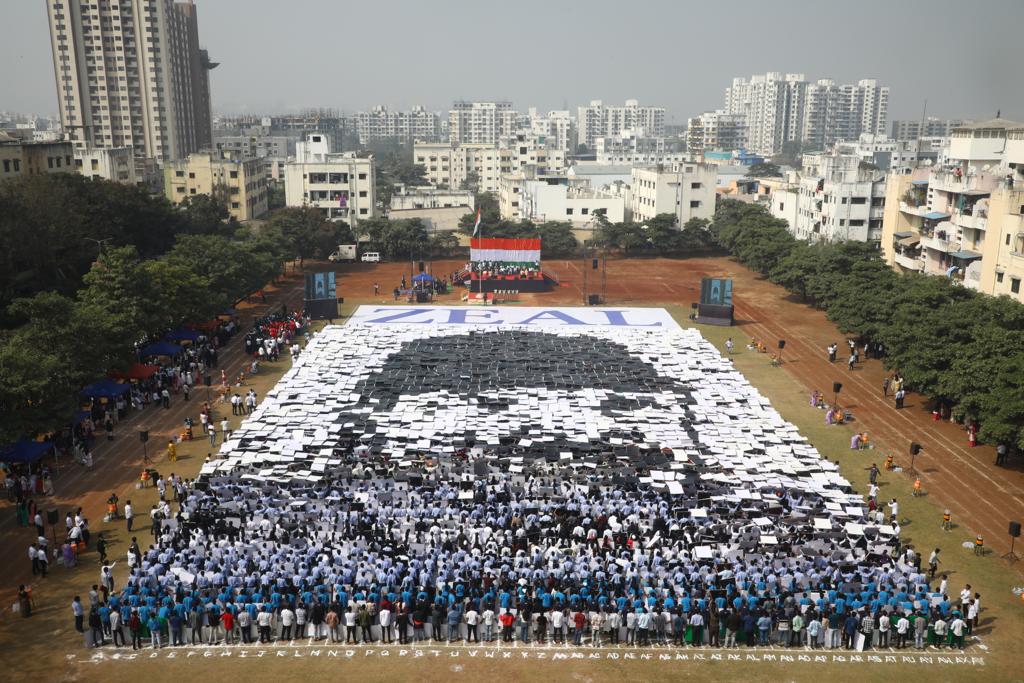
556	239
764	171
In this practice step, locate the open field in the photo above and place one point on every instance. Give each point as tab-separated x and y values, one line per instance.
982	498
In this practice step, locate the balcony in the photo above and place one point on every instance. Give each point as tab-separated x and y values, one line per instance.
909	263
975	183
912	210
938	244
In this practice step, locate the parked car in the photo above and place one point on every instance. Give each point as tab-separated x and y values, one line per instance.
371	257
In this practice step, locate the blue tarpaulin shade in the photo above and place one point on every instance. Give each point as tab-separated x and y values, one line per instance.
936	215
163	348
182	333
105	388
25	451
423	277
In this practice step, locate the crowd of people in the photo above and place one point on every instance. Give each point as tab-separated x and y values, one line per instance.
498	269
437	558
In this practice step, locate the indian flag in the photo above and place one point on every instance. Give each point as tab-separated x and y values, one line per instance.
476	226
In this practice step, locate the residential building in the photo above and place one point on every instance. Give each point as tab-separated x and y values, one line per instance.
962	218
523	195
557	126
340	184
480	167
108	163
686	190
888	154
404	126
834	112
780	109
27	157
598	120
257	146
425	197
715	130
772	105
929	128
481	123
132	74
836	198
242	184
633	146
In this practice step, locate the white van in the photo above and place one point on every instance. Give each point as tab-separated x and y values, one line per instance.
371	257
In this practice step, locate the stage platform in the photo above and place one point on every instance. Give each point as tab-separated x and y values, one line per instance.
526	286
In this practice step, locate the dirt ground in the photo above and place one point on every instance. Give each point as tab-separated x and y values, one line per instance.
981	497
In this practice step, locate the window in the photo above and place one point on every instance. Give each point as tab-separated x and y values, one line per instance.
362	176
568	212
999	277
180	189
1015	285
7	165
192	191
695	205
695	186
192	175
782	206
1007	234
362	193
49	161
584	211
362	212
859	200
233	174
234	205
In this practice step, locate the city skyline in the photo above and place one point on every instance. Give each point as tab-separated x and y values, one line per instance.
298	56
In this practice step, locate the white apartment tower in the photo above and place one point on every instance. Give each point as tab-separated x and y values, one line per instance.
716	130
597	120
404	126
131	74
781	109
481	123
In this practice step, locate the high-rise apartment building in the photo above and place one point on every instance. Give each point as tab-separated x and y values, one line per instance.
929	128
481	123
403	126
597	120
132	74
716	130
780	109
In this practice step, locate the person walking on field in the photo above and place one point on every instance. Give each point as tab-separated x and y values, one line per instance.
885	387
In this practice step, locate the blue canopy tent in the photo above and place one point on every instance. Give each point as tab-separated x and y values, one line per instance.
105	388
161	348
80	415
183	334
423	277
25	451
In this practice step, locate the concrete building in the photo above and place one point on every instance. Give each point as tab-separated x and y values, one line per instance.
116	164
686	190
930	128
405	198
962	218
598	120
26	157
242	184
404	126
835	198
715	130
481	123
523	195
888	154
257	146
480	167
780	109
557	126
132	74
634	147
834	112
341	185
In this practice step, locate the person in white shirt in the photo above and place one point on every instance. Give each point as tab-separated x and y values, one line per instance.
287	621
957	629
264	620
630	627
350	626
472	619
385	624
129	514
488	619
902	629
557	621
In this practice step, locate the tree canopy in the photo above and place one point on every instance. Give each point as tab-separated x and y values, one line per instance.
949	342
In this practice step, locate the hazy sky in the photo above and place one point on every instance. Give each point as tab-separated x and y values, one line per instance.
281	55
